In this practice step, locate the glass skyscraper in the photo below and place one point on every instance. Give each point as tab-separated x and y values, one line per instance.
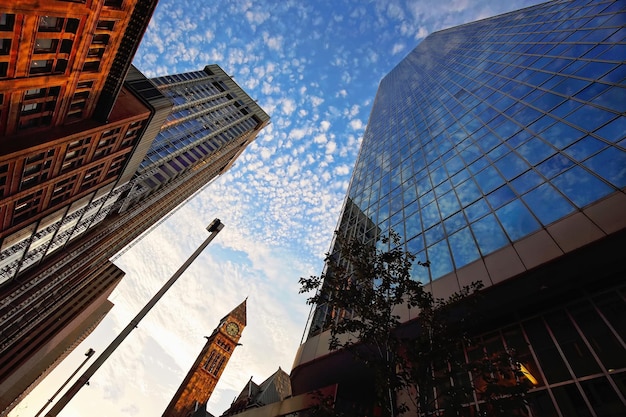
497	151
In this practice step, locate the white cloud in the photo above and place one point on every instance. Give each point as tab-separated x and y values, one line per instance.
257	17
297	133
288	106
421	33
274	43
356	124
342	170
331	147
316	101
397	48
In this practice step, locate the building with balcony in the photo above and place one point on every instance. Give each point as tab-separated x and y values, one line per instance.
187	154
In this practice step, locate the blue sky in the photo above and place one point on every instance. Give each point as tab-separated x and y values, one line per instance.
314	67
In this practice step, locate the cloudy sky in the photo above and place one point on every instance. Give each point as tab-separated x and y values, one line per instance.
314	66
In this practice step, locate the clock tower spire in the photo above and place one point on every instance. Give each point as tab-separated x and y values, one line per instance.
201	379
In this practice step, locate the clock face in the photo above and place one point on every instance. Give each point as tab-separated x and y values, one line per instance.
232	329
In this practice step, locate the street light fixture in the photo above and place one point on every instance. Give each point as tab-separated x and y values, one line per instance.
214	228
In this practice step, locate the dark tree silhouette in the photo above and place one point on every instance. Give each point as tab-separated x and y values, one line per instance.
420	365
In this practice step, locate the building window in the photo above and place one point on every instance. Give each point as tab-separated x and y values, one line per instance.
66	46
100	39
84	84
5	46
30	108
7	21
36	169
95	52
91	66
63	190
41	66
116	166
26	207
50	24
4	171
117	4
105	25
72	25
46	45
214	363
61	66
38	106
92	177
35	93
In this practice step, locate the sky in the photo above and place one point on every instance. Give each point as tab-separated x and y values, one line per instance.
314	67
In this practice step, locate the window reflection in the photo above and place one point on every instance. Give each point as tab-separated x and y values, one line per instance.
610	164
547	203
517	220
489	234
463	247
440	260
581	187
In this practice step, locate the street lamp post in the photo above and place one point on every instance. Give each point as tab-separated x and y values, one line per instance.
213	228
89	354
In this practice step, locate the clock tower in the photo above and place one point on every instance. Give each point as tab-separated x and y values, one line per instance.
201	379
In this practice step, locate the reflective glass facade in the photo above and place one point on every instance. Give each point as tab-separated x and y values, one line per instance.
488	132
497	146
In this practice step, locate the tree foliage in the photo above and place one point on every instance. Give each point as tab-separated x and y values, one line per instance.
423	369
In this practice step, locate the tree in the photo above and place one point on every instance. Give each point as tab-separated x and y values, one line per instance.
419	364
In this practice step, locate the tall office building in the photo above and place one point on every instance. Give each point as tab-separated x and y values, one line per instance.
56	338
211	113
497	151
211	123
68	129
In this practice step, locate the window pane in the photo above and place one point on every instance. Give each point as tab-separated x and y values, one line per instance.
572	345
489	234
585	148
611	165
477	210
489	179
440	260
554	165
614	131
463	248
549	358
547	204
455	222
613	308
560	135
430	215
570	401
517	220
581	187
602	341
541	404
614	98
603	398
511	166
535	151
468	192
589	118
